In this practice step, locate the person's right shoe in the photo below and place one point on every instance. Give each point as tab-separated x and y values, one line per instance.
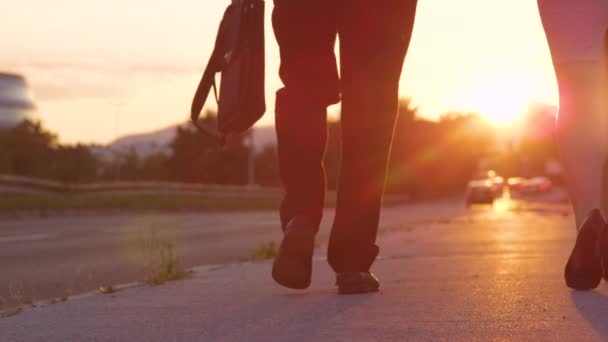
292	266
584	268
357	282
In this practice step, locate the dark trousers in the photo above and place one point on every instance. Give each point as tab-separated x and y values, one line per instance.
374	37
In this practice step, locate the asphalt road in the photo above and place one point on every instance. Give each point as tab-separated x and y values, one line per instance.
42	258
489	273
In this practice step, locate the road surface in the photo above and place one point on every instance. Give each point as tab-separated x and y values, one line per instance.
42	258
485	274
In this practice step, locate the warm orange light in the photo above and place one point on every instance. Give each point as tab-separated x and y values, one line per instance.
501	103
501	97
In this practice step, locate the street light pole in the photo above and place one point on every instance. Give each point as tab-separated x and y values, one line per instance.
251	159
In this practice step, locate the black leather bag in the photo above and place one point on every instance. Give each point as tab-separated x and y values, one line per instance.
239	57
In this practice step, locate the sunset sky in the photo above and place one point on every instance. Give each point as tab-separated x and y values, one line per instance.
102	69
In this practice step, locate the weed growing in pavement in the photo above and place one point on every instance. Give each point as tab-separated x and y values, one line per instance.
64	297
18	295
159	259
20	301
264	251
165	267
10	312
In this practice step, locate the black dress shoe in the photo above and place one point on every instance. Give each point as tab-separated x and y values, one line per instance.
605	253
292	266
584	269
357	282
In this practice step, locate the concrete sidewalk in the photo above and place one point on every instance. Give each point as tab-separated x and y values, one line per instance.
489	274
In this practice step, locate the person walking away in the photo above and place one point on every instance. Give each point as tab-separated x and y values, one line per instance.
374	38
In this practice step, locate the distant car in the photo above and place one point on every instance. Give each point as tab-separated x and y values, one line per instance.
16	103
539	185
480	192
516	184
498	183
484	174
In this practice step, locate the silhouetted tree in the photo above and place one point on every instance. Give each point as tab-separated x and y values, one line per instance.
74	164
29	150
155	167
266	167
435	158
197	158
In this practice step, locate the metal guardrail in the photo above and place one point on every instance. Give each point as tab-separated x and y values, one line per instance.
26	183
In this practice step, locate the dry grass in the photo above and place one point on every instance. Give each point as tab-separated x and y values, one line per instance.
158	257
10	312
265	251
164	266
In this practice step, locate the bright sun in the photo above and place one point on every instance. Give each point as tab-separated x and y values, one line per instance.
501	103
499	98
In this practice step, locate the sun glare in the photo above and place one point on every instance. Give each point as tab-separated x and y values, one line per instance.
501	98
501	103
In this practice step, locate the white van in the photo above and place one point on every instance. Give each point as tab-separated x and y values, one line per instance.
16	102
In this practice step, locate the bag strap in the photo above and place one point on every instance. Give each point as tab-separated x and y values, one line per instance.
200	98
204	88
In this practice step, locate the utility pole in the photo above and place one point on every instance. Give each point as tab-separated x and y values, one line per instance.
117	109
251	158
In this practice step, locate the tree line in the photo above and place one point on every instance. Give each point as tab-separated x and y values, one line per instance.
428	158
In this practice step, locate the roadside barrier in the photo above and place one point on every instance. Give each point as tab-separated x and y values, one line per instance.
9	183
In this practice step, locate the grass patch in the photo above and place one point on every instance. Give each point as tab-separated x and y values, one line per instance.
45	203
165	276
158	257
265	251
11	312
64	297
163	267
20	300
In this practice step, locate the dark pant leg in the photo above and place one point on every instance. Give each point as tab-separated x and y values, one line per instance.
374	37
306	33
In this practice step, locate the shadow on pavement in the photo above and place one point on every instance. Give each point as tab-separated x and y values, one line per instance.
593	307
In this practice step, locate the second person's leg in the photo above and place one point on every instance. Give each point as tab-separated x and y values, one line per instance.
575	32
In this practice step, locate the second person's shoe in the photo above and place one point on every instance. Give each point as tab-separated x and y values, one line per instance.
292	266
584	269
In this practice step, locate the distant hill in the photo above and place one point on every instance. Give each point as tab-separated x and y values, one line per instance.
158	141
146	144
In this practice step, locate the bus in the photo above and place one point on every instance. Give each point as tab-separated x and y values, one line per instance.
16	101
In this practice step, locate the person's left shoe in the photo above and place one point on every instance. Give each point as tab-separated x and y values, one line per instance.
292	267
604	243
357	282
